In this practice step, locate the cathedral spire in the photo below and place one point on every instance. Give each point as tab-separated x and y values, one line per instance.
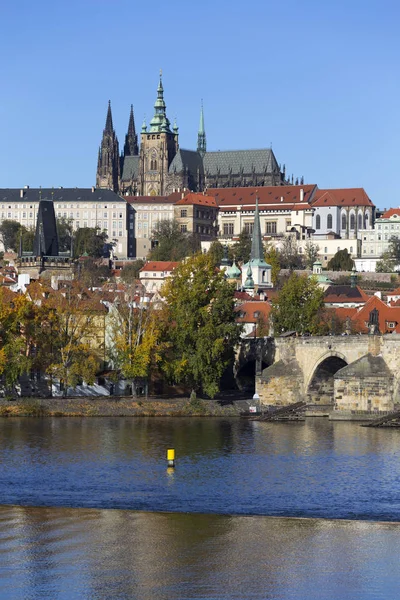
160	121
257	251
201	136
131	141
109	122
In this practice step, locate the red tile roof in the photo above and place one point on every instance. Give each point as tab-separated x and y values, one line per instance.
249	308
387	314
149	199
198	199
286	197
159	265
392	212
342	197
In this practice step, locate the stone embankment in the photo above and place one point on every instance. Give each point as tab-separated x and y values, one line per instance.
116	407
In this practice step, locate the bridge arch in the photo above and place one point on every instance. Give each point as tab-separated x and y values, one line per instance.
320	384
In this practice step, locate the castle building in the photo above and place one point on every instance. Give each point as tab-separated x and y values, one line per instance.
160	166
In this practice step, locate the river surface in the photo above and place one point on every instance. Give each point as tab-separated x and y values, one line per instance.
90	510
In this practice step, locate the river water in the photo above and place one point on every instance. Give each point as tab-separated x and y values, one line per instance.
90	510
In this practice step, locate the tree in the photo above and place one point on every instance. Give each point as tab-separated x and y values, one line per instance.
65	233
272	257
91	274
216	252
131	271
90	241
242	248
298	306
386	264
289	255
342	261
199	325
76	332
136	346
28	237
311	254
10	232
170	243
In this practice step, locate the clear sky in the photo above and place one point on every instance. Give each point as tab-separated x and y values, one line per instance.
319	80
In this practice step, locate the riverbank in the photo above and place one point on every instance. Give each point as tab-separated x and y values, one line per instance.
115	406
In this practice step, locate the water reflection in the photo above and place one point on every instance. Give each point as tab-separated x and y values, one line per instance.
101	554
314	468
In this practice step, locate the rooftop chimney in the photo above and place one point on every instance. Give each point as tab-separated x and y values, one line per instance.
301	194
21	193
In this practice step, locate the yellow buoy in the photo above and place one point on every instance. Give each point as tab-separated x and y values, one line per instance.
171	457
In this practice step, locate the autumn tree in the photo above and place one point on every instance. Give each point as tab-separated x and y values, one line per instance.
76	336
298	306
130	272
310	254
200	330
10	232
290	257
386	264
65	233
90	241
135	347
216	252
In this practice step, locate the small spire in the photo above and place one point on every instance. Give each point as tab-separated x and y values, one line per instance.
109	122
201	136
144	126
175	127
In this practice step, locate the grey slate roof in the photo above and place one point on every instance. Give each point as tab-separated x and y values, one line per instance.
58	195
258	160
186	158
131	168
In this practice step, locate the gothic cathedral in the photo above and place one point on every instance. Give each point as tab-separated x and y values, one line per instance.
159	167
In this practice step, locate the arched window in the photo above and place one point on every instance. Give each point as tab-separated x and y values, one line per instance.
352	221
329	222
360	221
318	222
366	218
344	221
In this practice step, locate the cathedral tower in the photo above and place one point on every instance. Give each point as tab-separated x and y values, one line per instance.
108	165
158	147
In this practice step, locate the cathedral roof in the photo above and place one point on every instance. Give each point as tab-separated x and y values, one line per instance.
237	161
190	159
131	168
58	195
198	199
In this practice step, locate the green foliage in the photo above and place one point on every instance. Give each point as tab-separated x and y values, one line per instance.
10	232
342	261
242	248
65	233
131	271
90	241
91	274
311	254
289	254
200	330
216	252
394	249
170	243
272	258
386	264
298	306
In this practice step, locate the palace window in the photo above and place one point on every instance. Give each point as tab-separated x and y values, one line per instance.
183	228
329	222
270	227
318	222
352	222
391	325
183	212
344	221
248	228
228	228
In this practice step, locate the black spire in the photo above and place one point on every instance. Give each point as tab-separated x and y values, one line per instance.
201	136
109	122
131	141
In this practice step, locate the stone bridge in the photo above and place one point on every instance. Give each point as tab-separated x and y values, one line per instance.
344	376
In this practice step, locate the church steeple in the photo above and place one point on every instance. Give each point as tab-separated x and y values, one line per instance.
257	251
201	136
131	147
108	164
160	122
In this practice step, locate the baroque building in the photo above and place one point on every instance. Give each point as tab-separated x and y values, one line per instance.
160	166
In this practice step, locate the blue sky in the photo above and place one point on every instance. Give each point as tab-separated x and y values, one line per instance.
318	80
